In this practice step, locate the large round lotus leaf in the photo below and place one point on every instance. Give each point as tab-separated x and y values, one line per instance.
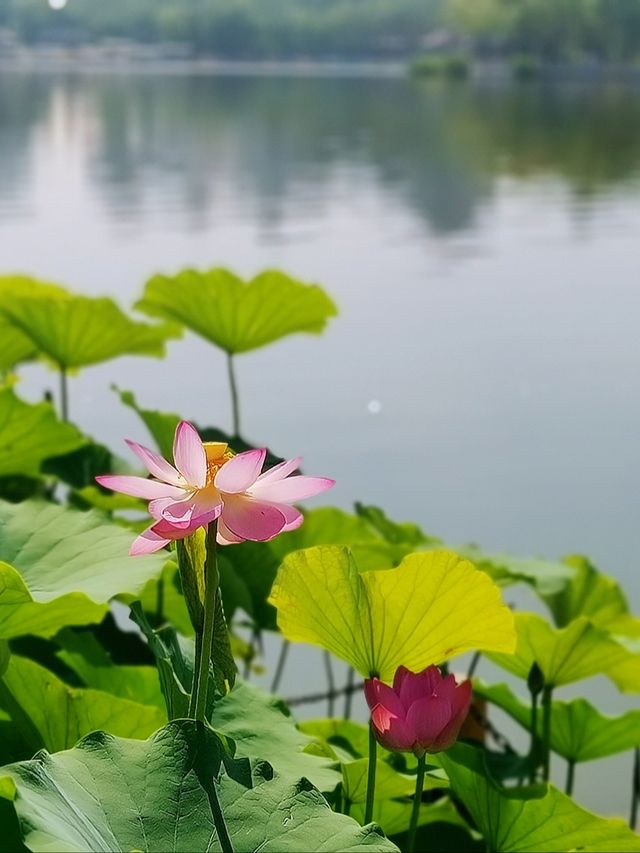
61	567
166	794
235	315
433	606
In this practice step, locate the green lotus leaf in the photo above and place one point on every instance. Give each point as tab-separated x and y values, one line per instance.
569	654
61	567
49	713
579	732
166	794
588	593
535	819
167	603
234	315
16	346
261	726
432	607
332	526
77	331
394	817
348	739
248	570
545	576
81	652
29	434
396	533
161	425
389	783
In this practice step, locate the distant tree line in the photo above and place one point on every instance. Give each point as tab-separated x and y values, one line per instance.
553	30
556	30
236	28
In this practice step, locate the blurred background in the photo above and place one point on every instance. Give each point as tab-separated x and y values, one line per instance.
461	177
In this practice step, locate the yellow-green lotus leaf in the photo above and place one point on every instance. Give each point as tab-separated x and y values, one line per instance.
29	434
433	606
16	345
235	315
570	654
77	331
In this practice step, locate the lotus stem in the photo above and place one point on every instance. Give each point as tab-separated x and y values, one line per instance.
371	775
160	600
571	767
233	387
330	683
546	731
282	659
218	819
417	800
198	705
349	691
534	738
635	789
64	394
475	660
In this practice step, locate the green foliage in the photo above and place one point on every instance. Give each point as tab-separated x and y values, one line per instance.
529	820
545	576
579	732
432	607
30	434
234	315
16	345
108	793
61	567
455	66
77	331
49	713
262	727
375	592
570	654
161	425
82	653
589	593
242	29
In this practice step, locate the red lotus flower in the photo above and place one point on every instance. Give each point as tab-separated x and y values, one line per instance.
422	712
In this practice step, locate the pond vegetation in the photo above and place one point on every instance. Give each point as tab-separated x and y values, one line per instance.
153	740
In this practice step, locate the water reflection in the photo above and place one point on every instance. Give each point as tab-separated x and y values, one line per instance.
172	145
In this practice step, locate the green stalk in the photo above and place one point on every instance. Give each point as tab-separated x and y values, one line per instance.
348	699
546	731
571	767
534	737
233	387
331	686
475	660
218	820
205	640
417	799
635	789
282	659
371	776
64	394
160	600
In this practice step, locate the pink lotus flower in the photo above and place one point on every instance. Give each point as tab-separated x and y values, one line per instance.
210	482
422	712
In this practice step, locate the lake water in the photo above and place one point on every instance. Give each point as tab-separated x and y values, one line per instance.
481	242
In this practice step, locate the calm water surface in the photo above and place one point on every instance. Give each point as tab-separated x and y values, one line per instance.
481	243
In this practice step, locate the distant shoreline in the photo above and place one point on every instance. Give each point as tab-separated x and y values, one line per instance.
87	64
89	60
